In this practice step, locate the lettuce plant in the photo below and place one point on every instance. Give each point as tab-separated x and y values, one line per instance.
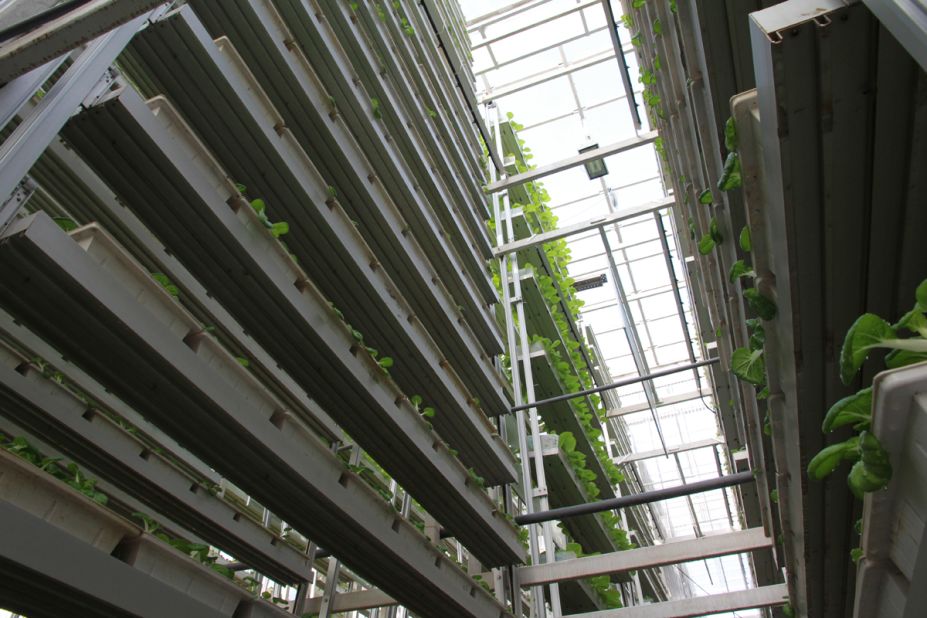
871	469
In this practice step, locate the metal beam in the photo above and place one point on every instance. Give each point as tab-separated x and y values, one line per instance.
545	76
30	139
635	499
65	33
670	450
643	407
764	596
16	93
573	9
613	385
646	557
622	63
48	571
571	162
352	601
579	228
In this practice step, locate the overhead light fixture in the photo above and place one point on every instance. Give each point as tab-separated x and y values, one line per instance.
596	167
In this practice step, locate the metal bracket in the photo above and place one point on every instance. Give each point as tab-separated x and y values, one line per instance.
17	200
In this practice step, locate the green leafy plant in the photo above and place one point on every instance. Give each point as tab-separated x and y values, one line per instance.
69	473
711	239
740	269
565	354
872	468
761	305
749	365
746	243
166	283
731	177
65	223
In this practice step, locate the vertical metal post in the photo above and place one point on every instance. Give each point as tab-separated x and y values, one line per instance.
518	348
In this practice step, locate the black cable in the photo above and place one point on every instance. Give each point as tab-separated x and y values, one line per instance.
40	19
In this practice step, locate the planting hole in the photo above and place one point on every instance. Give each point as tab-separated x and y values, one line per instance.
277	418
88	414
194	488
145	454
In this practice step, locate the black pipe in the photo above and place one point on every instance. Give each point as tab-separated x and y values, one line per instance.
618	384
635	499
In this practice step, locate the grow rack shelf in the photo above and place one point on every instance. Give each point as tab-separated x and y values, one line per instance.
365	36
48	410
330	30
565	489
70	180
297	182
541	322
46	521
49	282
340	138
419	65
560	416
248	271
536	256
332	252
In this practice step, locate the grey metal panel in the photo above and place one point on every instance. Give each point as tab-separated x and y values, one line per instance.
463	83
292	84
48	573
70	180
907	21
307	75
63	34
254	277
840	132
454	198
46	409
14	94
247	138
153	369
30	138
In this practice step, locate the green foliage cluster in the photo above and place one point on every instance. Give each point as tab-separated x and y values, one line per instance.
871	468
198	551
566	354
610	596
70	473
748	363
731	177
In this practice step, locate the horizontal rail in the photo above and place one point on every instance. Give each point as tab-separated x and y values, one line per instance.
764	596
636	499
578	228
571	162
614	385
646	557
